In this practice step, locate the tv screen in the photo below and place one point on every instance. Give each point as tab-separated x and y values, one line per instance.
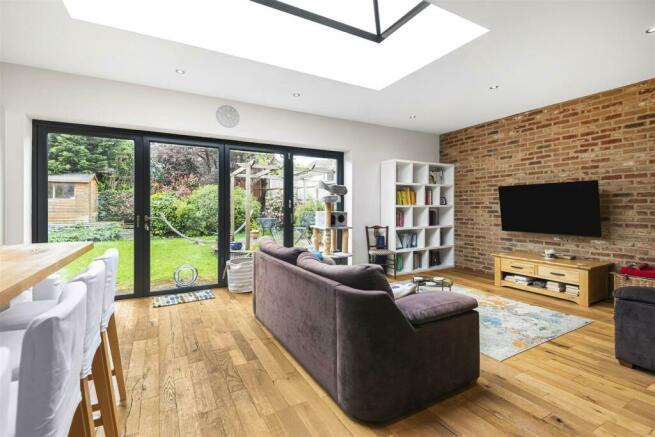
568	208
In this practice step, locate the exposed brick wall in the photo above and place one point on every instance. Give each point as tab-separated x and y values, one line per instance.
608	137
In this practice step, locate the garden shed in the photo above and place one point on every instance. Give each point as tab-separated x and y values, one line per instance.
72	198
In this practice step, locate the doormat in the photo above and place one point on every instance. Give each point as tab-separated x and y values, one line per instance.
174	299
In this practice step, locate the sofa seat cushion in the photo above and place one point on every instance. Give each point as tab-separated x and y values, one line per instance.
424	308
360	277
637	294
269	246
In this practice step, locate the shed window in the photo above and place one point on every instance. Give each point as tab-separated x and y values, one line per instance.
61	191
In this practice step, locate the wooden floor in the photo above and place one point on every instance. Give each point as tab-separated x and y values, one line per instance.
209	368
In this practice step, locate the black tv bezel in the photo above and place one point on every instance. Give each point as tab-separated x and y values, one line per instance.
595	232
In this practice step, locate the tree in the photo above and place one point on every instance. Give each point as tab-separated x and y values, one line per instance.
110	159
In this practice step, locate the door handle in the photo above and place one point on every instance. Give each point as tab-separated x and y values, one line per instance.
146	222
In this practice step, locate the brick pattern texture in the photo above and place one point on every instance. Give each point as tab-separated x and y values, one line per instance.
609	137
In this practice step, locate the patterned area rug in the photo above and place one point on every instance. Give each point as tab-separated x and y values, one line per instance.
174	299
508	327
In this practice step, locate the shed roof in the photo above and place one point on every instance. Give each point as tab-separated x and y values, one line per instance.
72	177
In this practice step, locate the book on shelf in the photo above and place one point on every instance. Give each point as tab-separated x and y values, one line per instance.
433	218
406	240
572	290
405	197
399	263
400	219
428	197
435	176
417	261
555	286
435	258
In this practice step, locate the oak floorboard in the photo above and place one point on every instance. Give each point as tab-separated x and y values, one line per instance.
211	368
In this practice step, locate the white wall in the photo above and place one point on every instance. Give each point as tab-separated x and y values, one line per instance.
29	93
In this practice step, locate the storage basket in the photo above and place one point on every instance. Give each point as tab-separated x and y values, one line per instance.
239	275
623	280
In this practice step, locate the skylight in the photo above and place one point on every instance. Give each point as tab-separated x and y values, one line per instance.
250	30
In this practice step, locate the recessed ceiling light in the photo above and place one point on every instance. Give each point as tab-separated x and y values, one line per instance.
180	71
651	30
296	94
494	87
250	30
412	117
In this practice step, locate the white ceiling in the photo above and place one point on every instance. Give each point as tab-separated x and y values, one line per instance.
539	52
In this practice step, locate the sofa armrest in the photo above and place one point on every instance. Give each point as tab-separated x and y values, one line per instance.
387	367
637	294
424	308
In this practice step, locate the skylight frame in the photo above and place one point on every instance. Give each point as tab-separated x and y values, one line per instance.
377	37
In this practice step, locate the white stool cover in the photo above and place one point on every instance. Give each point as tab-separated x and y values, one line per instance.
44	296
94	279
110	258
18	316
13	340
48	289
49	381
7	399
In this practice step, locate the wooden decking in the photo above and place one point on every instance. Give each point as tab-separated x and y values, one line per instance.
209	368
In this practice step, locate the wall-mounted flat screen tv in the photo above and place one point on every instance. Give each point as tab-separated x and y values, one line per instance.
568	208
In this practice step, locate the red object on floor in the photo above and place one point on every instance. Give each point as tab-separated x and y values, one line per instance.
648	272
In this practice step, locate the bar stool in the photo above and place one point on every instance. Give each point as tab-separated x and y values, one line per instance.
95	362
44	399
45	296
109	332
6	407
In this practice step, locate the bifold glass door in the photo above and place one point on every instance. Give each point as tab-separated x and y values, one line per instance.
89	196
182	224
176	208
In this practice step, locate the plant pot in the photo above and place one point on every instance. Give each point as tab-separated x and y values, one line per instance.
254	235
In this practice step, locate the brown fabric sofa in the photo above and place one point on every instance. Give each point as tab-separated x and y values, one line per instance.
360	346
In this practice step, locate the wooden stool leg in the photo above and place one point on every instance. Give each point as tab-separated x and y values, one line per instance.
104	389
83	419
115	350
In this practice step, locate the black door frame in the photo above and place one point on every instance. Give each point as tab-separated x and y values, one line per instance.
41	129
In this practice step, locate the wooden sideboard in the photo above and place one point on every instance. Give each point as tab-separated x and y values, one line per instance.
592	277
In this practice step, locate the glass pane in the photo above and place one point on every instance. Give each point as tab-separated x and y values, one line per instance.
257	199
183	216
91	198
64	191
307	195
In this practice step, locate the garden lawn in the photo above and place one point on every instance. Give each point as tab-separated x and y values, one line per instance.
166	254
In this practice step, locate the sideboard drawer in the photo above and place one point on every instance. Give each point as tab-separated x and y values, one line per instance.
520	267
558	274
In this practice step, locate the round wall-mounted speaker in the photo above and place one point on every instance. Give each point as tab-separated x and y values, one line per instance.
227	116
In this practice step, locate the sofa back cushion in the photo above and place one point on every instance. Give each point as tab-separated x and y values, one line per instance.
361	277
288	254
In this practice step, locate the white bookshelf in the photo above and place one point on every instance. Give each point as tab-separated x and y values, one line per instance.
434	237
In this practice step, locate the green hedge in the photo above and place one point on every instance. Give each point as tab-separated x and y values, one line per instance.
100	231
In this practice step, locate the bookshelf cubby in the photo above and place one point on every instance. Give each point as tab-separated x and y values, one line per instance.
425	208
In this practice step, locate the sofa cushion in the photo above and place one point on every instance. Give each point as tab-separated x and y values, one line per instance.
638	294
424	308
360	277
269	246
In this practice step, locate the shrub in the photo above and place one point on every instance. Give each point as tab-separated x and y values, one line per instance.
116	206
200	214
168	204
100	231
309	206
